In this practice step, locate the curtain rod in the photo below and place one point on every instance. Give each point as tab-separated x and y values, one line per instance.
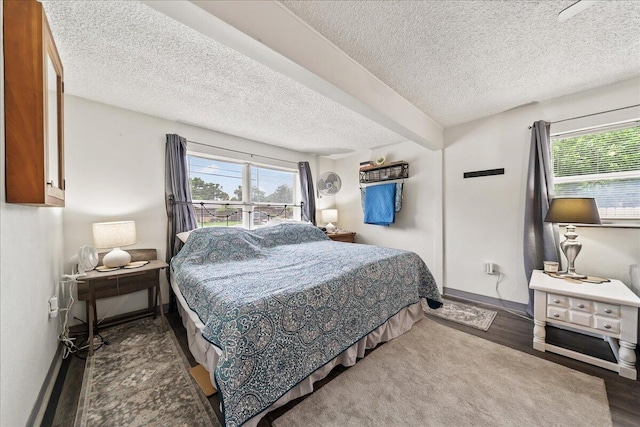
241	152
593	114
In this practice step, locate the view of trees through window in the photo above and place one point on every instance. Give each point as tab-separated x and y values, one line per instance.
220	181
603	165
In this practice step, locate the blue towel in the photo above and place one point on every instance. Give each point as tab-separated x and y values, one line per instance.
399	185
379	205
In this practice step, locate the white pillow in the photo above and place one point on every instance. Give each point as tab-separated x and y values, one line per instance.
184	235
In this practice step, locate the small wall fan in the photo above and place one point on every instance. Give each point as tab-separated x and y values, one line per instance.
329	184
86	259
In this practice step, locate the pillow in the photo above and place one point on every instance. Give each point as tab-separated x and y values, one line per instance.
278	221
184	235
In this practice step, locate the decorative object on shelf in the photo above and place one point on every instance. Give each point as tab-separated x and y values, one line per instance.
329	184
86	259
366	164
329	216
380	160
572	211
33	107
395	170
113	235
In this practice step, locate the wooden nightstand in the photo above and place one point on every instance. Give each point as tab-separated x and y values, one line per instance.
342	236
605	309
96	285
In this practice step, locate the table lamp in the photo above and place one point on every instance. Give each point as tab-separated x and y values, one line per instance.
572	211
113	235
329	216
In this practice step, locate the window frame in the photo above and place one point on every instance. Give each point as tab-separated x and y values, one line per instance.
611	222
246	203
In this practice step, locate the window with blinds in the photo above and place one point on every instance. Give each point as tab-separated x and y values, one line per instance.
601	163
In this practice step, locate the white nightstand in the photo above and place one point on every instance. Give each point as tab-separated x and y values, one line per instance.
606	309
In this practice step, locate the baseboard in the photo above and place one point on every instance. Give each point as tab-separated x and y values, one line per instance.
39	408
485	299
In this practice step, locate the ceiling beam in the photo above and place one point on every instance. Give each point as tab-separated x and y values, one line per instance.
271	34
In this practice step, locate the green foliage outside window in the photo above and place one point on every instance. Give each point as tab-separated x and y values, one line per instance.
607	152
603	165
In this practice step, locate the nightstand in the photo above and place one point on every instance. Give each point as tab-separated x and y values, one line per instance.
605	309
342	236
96	285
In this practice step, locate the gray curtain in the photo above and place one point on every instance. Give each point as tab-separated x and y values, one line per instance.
180	213
540	238
308	193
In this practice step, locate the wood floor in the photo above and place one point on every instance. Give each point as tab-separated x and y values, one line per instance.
507	329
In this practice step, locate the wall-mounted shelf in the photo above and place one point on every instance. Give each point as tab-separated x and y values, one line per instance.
395	170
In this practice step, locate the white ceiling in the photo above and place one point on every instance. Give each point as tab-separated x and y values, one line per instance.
462	60
455	60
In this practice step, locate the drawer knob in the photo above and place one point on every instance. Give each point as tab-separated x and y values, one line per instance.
607	326
556	301
556	315
607	310
580	305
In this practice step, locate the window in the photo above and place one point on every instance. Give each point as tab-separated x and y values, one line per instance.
603	164
223	183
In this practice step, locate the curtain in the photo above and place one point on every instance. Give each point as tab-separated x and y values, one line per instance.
540	238
308	194
180	213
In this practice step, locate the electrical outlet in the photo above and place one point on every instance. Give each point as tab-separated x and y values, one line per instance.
53	307
489	267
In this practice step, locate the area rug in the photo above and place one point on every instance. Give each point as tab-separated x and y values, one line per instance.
141	379
438	376
476	317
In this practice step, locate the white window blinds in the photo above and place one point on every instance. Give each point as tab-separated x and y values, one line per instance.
603	164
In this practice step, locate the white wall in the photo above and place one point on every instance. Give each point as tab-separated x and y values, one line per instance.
484	216
30	265
418	226
115	161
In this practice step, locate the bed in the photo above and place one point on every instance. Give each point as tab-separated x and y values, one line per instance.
270	311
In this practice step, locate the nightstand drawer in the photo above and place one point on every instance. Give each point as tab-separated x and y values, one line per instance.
583	305
557	313
118	285
580	318
557	300
607	324
608	310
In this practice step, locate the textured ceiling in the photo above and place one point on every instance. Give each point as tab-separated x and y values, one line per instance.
455	60
131	56
461	60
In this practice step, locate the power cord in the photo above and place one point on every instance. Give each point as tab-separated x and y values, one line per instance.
515	313
113	306
70	346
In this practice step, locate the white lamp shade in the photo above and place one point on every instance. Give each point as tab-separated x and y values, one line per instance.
330	215
114	234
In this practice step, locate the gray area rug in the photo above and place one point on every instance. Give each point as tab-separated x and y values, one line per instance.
141	379
476	317
438	376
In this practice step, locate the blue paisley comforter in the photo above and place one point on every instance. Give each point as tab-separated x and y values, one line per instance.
282	301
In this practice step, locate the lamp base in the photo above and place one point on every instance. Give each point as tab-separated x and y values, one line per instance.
116	258
570	275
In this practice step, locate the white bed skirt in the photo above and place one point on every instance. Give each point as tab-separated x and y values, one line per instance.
206	354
